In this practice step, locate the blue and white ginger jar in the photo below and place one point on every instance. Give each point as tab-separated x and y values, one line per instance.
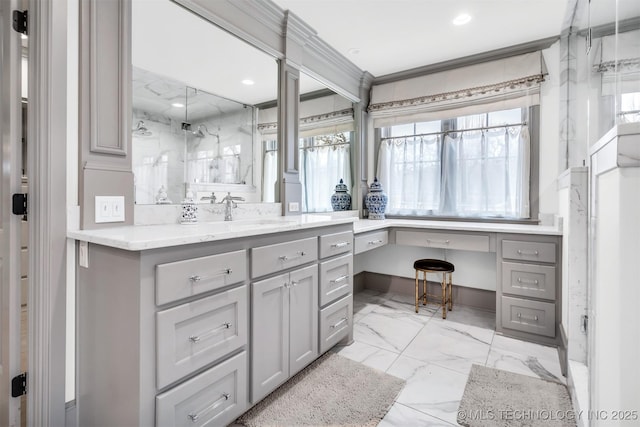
189	214
341	200
376	200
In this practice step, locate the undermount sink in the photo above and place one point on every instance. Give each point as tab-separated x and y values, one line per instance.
248	224
257	223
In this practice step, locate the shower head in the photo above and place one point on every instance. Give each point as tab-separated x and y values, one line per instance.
141	129
200	132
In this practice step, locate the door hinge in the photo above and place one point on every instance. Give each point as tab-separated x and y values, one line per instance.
20	19
19	205
19	385
584	323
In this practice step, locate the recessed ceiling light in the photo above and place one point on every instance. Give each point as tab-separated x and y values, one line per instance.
248	82
462	19
177	105
353	51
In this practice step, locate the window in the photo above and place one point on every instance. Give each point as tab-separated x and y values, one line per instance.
269	170
324	161
474	166
630	107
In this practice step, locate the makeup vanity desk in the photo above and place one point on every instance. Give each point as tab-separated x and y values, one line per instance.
528	265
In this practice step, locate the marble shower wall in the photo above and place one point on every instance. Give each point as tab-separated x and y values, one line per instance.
573	191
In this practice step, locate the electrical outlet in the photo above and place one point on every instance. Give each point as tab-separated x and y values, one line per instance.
294	207
83	254
109	209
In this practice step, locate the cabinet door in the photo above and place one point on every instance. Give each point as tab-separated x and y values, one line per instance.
270	335
303	309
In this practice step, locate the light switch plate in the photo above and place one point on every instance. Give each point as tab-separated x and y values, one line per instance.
109	209
294	207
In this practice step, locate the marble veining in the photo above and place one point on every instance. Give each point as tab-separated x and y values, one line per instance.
434	356
402	416
142	237
365	225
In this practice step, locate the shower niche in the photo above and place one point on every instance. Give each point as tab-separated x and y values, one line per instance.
186	138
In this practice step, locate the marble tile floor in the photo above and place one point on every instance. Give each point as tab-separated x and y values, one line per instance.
433	355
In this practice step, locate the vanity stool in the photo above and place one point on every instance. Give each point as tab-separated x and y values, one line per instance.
435	266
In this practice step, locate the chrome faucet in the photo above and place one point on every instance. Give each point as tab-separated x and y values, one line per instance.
230	203
211	198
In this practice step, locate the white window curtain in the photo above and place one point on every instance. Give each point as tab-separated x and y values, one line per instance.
321	168
270	175
465	174
409	171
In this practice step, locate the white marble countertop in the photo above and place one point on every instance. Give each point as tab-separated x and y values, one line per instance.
141	237
365	225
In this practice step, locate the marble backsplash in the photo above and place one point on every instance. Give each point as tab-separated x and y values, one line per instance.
207	212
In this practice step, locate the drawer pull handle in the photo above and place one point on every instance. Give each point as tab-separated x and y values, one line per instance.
340	279
340	322
195	417
520	316
340	244
196	338
288	258
444	242
528	281
521	252
195	278
374	242
294	283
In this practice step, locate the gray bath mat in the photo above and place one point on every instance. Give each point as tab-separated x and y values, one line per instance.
493	397
332	391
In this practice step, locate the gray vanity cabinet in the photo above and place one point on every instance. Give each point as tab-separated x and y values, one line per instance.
528	304
195	334
284	328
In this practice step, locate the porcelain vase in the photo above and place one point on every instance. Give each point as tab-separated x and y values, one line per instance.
341	200
376	200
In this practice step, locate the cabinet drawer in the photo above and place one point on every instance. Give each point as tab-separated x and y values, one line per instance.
535	317
181	279
529	251
197	333
427	239
335	322
366	242
272	258
215	397
529	280
334	244
336	278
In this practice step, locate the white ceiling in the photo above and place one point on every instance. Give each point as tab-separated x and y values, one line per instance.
390	35
397	35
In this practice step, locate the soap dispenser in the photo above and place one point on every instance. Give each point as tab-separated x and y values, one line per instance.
189	213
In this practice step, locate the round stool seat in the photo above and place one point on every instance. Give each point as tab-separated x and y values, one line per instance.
433	265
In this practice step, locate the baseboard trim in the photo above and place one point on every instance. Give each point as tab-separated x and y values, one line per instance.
562	349
478	298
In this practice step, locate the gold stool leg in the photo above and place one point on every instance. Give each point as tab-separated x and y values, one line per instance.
417	298
444	296
424	288
450	291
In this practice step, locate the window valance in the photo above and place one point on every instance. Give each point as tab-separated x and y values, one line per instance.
318	116
502	84
618	62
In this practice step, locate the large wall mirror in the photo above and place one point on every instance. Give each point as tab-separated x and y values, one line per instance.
326	144
198	95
